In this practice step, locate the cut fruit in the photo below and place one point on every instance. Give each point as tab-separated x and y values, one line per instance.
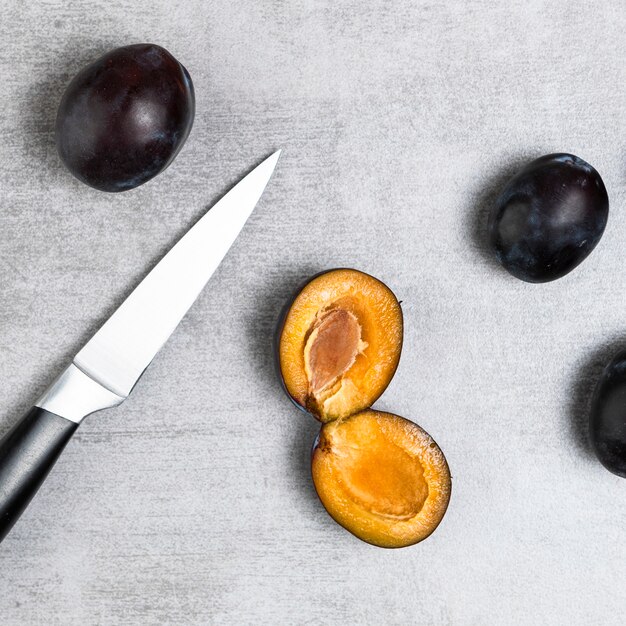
381	477
340	343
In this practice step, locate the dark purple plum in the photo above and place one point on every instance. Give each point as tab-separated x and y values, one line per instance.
607	422
548	218
124	118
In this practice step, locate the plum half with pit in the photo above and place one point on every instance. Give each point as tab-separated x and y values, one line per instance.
123	119
548	218
340	343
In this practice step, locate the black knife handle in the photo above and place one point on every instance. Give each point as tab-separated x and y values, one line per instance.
27	453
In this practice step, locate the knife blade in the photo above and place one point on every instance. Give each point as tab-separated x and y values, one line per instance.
106	369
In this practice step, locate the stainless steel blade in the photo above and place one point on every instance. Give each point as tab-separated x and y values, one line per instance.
120	351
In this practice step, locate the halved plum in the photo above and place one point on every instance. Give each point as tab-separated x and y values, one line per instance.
381	477
378	475
340	343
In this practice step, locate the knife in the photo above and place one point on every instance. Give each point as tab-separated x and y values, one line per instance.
107	368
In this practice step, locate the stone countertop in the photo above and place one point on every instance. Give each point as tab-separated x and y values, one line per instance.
192	502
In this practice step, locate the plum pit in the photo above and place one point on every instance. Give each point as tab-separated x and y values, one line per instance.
332	347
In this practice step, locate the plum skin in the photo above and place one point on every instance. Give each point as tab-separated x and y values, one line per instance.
548	218
123	119
607	421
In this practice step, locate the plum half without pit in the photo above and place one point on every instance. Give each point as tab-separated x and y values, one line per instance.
378	475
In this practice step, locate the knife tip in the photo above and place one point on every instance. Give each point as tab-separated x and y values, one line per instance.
272	159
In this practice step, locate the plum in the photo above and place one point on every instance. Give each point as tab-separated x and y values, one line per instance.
607	422
548	218
123	119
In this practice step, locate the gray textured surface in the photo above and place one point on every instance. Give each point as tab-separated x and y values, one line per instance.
192	502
